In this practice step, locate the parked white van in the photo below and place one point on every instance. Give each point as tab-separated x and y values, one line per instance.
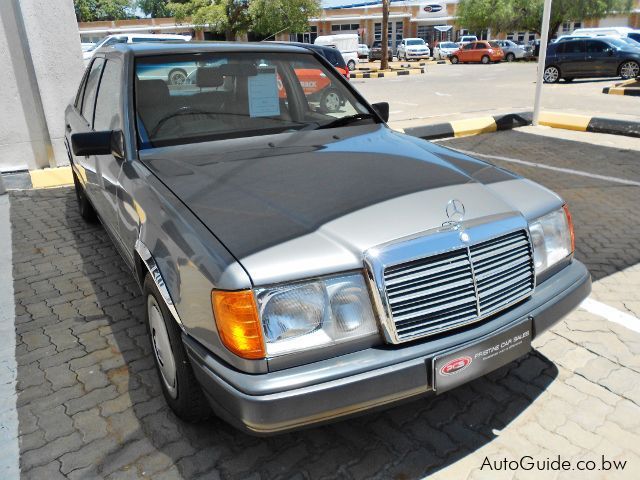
346	43
608	32
133	38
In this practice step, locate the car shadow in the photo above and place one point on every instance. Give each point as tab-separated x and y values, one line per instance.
407	441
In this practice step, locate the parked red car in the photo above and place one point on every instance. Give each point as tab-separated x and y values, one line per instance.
481	51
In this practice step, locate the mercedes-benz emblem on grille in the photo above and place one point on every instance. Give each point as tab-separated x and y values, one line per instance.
455	210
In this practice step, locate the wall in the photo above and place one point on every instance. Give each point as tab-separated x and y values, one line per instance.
45	68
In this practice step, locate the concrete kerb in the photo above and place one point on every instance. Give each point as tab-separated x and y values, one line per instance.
628	87
475	126
390	73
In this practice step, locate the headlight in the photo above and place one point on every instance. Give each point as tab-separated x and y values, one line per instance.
318	313
552	238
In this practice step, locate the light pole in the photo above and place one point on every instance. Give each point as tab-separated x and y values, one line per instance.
542	58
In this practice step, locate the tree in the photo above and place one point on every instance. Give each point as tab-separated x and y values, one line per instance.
384	61
228	16
526	15
93	10
274	16
153	8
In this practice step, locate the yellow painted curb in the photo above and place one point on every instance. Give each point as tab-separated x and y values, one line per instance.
473	126
51	177
565	120
616	91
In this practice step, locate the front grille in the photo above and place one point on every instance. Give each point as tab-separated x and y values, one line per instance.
442	292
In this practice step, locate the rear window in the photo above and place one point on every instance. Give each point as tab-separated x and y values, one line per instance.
334	57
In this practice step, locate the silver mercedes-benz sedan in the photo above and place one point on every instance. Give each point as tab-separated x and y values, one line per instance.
300	264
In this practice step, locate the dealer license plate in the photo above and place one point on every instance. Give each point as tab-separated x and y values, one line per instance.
468	363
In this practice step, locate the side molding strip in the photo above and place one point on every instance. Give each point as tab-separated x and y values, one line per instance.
151	265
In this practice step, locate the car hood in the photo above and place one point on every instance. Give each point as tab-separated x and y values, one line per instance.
308	203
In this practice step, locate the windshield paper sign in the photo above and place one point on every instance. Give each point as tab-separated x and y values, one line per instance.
263	95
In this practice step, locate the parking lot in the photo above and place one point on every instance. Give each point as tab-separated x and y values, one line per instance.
89	401
452	92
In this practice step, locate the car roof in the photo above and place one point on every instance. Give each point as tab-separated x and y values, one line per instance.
172	48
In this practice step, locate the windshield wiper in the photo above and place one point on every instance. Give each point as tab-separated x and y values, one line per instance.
342	121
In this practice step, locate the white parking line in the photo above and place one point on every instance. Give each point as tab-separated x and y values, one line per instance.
612	314
9	447
607	178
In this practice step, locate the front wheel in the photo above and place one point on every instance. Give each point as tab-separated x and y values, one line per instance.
85	208
180	388
551	74
455	60
351	64
485	60
510	57
629	70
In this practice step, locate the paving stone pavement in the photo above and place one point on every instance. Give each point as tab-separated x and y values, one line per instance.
90	406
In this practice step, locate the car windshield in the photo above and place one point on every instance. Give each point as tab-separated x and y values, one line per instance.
448	45
234	95
415	42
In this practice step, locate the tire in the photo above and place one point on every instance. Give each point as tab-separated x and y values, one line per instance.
87	212
551	74
177	76
351	64
629	70
510	57
181	391
485	60
330	101
455	60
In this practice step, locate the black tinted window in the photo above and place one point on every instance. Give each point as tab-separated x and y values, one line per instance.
480	46
107	115
574	46
89	99
596	46
634	36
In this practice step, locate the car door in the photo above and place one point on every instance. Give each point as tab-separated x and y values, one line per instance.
479	51
465	52
108	117
601	58
572	59
80	120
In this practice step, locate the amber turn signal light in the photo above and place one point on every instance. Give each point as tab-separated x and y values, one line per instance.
565	207
238	322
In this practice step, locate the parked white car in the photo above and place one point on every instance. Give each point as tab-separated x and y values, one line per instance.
465	39
133	38
363	50
442	50
413	49
346	43
512	51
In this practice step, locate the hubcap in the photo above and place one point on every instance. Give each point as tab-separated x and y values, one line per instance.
162	346
332	102
551	74
630	70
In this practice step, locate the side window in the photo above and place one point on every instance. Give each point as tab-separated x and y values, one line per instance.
480	46
594	46
89	99
469	46
575	47
107	115
560	47
83	84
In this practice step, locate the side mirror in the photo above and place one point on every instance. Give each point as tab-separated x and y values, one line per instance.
382	109
108	142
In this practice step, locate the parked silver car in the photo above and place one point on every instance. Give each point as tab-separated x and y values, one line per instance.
512	51
300	265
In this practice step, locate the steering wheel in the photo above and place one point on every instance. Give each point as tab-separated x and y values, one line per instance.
182	111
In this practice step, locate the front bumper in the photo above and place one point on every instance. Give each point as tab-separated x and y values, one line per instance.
375	377
418	55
